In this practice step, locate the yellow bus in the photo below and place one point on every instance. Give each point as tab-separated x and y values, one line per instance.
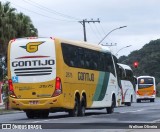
51	74
145	88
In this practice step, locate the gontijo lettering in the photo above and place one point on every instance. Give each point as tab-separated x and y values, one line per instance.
85	76
33	63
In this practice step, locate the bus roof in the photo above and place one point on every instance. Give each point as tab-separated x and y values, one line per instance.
125	66
86	45
145	76
72	42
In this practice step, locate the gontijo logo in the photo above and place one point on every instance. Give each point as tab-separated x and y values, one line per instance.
32	47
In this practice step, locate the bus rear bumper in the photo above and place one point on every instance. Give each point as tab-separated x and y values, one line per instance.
37	104
146	97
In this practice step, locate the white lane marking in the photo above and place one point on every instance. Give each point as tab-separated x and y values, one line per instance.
33	121
37	121
132	111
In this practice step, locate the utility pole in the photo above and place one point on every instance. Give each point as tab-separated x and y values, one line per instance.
84	27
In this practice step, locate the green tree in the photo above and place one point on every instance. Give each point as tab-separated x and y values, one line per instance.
25	26
5	25
13	25
148	58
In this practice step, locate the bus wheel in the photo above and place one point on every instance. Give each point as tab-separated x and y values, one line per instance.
44	114
82	107
129	103
74	112
138	100
30	114
151	100
111	109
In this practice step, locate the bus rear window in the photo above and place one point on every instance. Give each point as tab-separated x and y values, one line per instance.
145	81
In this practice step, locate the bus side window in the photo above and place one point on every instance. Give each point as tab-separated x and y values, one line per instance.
102	62
95	61
91	62
66	54
71	57
81	57
106	64
135	80
71	63
109	64
87	58
121	73
126	75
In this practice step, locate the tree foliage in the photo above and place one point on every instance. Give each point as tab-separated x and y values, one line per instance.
148	58
12	25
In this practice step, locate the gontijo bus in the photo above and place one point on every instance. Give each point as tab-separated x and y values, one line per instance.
51	74
145	88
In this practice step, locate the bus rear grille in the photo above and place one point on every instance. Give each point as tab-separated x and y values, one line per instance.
39	71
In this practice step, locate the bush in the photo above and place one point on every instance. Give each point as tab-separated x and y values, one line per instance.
158	91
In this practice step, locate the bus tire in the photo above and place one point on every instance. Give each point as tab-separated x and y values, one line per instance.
30	114
111	109
44	114
138	100
129	103
74	112
82	106
151	100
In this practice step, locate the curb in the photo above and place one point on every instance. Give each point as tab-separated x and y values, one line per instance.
10	111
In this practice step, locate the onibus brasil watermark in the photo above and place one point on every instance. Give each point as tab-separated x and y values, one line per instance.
21	126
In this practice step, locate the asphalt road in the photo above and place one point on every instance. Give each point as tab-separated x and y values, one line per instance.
128	116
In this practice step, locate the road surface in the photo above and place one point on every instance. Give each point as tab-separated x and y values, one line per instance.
124	117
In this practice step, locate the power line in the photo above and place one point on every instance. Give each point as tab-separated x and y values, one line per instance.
42	14
94	31
102	29
84	27
98	30
49	10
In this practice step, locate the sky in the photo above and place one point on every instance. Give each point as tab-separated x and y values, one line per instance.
60	18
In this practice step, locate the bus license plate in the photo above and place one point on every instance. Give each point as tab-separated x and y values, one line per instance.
33	102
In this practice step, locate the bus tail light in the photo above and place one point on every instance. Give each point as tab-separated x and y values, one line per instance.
58	87
11	89
137	93
154	92
12	40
